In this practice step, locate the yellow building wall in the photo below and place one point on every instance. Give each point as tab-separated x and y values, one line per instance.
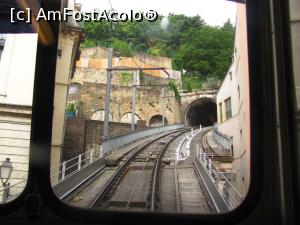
236	86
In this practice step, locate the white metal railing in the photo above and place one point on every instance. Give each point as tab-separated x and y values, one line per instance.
114	143
72	166
231	196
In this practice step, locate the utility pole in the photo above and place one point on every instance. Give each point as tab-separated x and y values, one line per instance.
135	75
107	93
163	105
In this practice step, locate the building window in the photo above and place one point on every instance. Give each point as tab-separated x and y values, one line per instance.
228	108
220	110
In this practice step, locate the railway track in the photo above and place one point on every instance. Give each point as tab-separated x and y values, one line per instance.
206	147
135	183
146	179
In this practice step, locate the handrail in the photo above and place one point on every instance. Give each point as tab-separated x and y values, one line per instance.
77	163
231	196
137	130
114	143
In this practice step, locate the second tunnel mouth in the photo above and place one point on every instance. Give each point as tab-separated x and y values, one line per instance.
201	112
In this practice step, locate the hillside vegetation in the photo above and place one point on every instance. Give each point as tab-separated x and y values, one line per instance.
201	51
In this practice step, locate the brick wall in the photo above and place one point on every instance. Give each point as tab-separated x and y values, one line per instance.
74	137
83	135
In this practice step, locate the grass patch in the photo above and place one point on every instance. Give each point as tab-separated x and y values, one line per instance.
191	82
126	78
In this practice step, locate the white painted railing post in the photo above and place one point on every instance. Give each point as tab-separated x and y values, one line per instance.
101	151
201	155
63	171
79	162
91	156
217	176
200	127
209	167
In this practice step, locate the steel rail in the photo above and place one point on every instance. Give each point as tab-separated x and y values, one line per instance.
111	182
155	180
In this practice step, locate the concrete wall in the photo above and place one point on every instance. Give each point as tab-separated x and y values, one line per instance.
236	86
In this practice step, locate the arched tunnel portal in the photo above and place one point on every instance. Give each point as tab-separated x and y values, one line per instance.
201	111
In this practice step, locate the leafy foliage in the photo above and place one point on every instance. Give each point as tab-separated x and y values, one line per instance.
126	78
71	108
191	44
174	87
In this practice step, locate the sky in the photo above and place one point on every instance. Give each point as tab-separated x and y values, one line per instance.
214	12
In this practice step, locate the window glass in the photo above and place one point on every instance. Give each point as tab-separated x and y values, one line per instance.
17	68
228	108
295	33
137	102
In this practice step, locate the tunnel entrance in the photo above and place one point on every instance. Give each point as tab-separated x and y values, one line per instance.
201	111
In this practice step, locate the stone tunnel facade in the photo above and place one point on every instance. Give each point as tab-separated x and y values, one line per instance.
89	99
199	108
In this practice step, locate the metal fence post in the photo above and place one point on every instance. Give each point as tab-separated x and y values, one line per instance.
163	105
201	155
107	93
79	162
209	167
91	156
217	176
133	101
101	151
63	170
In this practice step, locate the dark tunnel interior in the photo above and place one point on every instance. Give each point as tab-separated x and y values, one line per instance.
202	111
156	121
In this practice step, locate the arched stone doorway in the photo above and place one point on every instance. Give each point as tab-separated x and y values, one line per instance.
99	115
126	118
201	111
157	121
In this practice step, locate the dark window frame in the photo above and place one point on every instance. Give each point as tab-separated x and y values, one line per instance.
221	111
